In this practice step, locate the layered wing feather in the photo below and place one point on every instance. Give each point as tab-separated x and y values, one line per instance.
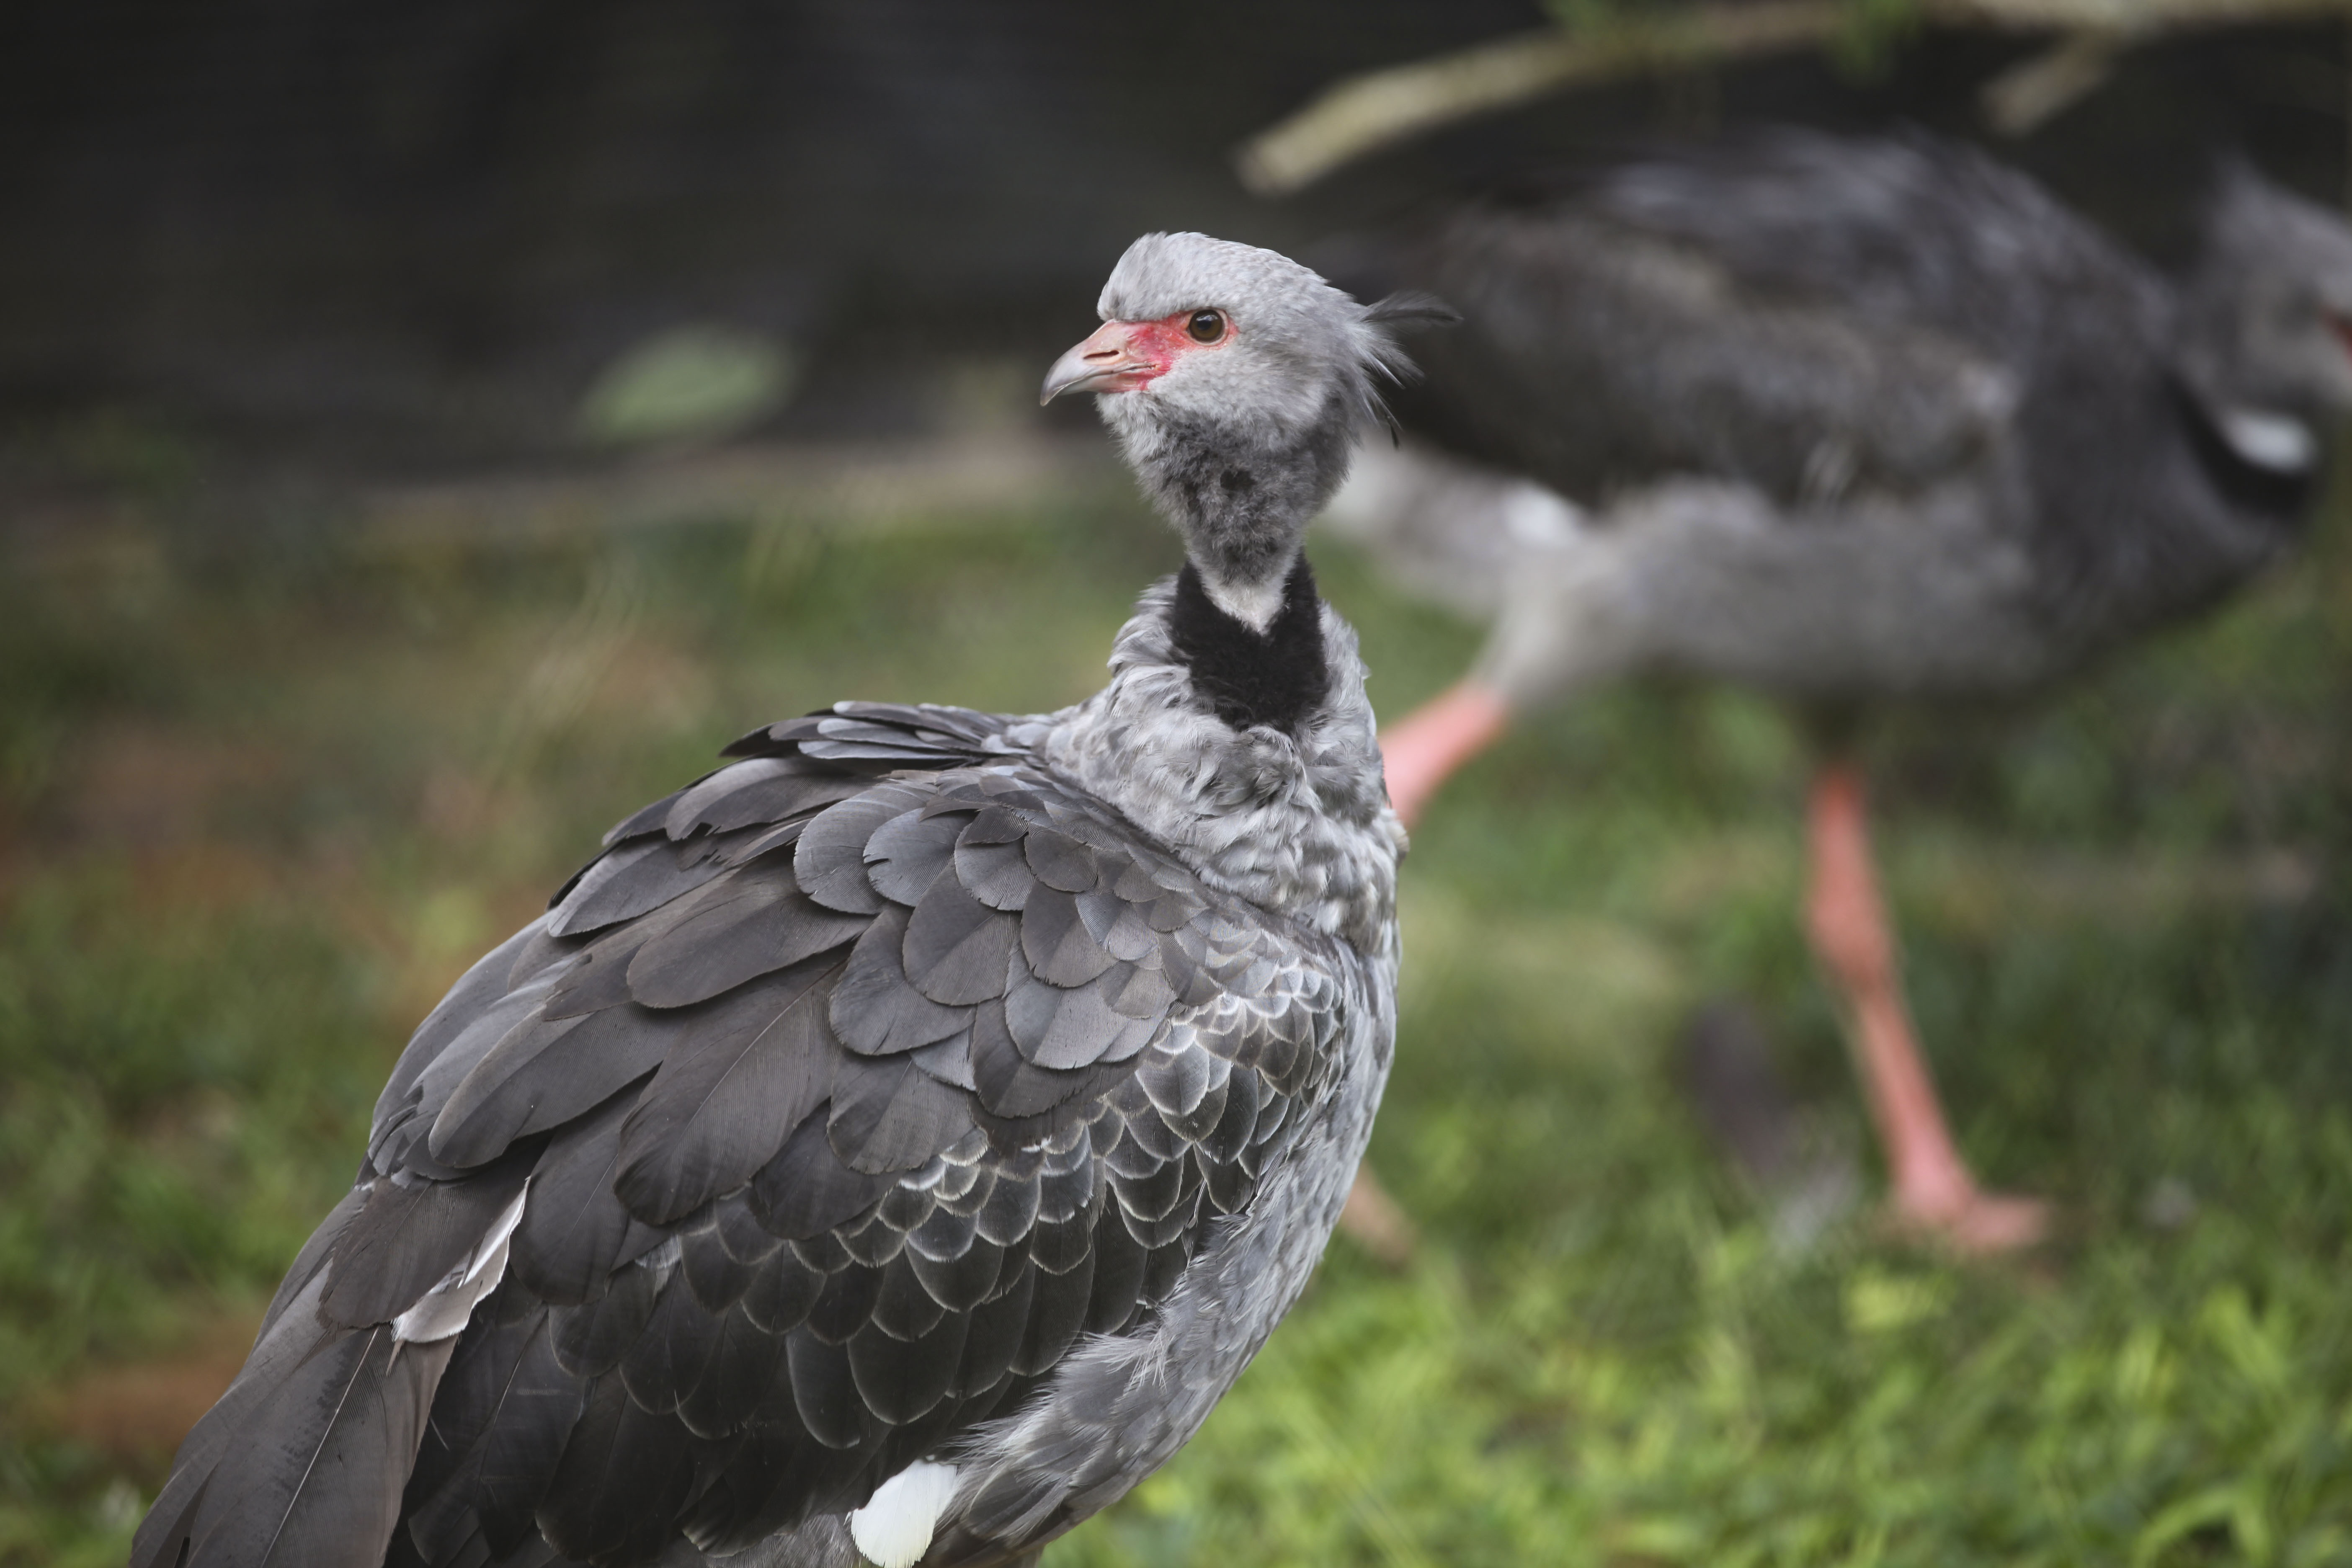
844	1091
1804	315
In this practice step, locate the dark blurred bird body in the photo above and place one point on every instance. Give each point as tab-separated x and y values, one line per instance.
1921	429
1850	421
892	1146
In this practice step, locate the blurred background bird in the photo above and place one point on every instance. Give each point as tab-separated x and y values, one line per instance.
1852	422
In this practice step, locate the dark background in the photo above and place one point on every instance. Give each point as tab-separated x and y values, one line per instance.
392	234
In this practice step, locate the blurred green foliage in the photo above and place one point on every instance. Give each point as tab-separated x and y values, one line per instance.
253	816
688	383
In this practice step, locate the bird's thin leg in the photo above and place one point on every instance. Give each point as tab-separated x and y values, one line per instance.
1424	749
1933	1189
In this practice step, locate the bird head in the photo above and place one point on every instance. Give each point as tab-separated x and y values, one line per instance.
1236	380
2272	299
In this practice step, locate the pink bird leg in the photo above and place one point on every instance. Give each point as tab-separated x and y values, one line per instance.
1422	750
1933	1193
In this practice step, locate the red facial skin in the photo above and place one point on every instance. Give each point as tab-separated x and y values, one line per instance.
1149	350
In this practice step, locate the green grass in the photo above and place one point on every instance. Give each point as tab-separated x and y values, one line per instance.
256	812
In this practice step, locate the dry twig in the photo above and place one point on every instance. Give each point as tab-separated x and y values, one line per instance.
1377	110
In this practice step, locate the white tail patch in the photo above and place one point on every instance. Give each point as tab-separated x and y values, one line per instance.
444	1309
894	1528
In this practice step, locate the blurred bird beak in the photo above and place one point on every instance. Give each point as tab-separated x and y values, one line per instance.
1104	362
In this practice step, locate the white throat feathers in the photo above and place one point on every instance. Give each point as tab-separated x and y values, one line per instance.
1253	604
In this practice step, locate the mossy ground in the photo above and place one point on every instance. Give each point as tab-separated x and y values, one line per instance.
257	808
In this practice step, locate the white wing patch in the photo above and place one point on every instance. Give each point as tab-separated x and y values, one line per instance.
1541	519
2279	442
894	1528
444	1309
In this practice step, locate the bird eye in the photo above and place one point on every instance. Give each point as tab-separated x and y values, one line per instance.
1206	326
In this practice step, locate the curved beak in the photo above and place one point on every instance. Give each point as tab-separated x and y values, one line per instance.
1105	361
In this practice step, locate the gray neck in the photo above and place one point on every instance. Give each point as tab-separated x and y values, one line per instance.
1241	499
1296	822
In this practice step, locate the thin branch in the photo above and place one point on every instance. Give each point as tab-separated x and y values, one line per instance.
1381	108
2139	17
1373	111
2023	98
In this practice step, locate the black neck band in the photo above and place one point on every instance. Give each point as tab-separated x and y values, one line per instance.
1274	678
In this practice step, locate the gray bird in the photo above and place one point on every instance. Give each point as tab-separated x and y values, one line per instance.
893	1144
1850	421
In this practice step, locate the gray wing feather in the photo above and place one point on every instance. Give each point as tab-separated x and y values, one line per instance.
555	1072
955	946
575	1226
483	985
707	1121
304	1459
876	1010
803	1192
408	1234
1797	318
312	1257
627	882
767	924
832	1156
829	857
893	1116
290	1334
491	1452
907	854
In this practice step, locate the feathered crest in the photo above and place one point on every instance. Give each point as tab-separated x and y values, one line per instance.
1408	309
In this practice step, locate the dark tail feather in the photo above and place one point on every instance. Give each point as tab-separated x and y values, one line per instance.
175	1539
292	1331
312	1259
304	1459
